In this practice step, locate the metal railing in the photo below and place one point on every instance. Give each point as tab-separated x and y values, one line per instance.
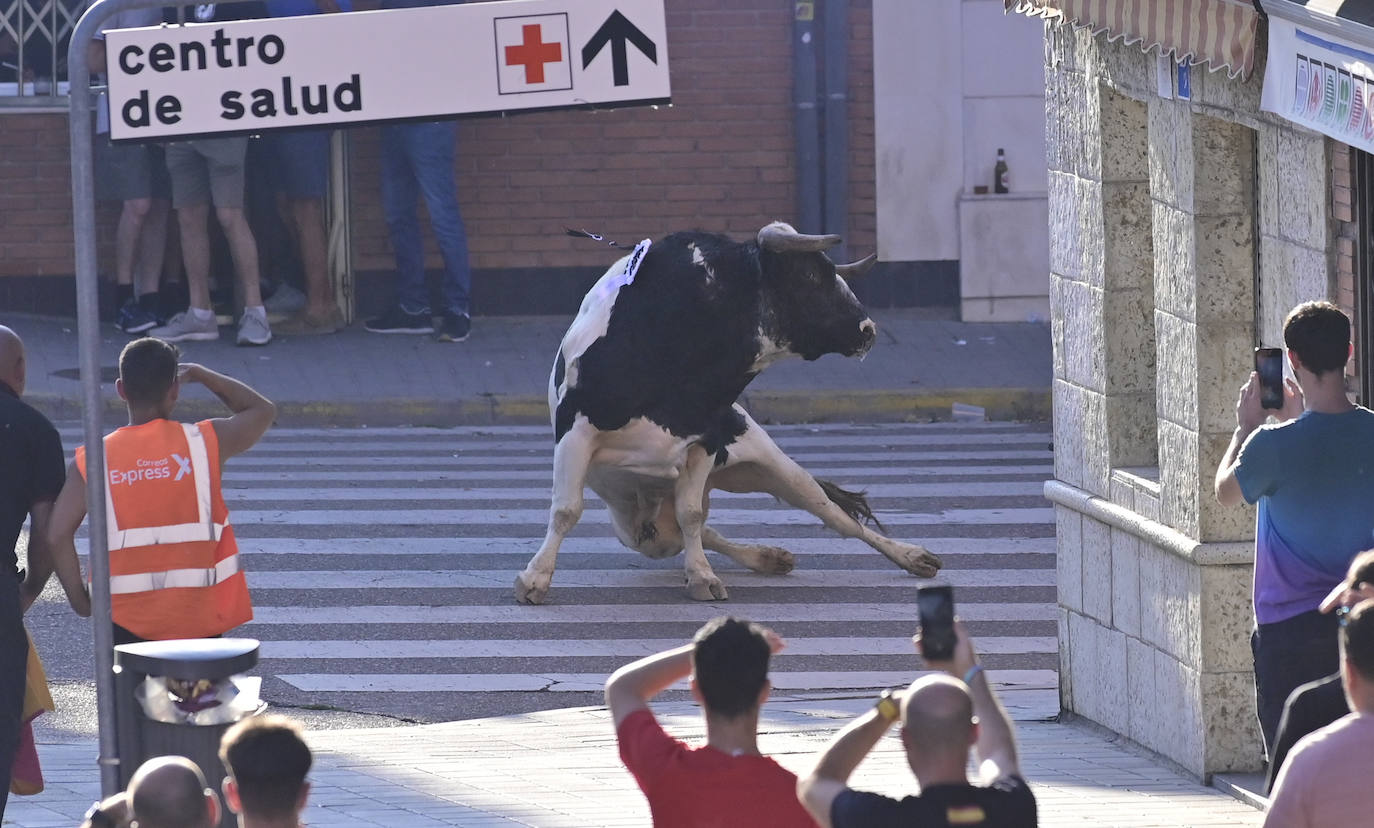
34	35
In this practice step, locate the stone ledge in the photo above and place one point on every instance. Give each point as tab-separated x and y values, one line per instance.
1170	540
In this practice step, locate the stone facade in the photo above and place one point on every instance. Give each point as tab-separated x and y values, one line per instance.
1181	233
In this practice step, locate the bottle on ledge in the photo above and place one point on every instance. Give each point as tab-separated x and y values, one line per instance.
1001	177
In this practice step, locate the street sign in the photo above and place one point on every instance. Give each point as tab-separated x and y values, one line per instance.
431	62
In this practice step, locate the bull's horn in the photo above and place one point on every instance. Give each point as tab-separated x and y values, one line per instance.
780	238
854	270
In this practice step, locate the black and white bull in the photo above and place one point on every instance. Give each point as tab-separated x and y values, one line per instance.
643	394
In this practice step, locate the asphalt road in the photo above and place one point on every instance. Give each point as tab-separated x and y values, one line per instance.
382	561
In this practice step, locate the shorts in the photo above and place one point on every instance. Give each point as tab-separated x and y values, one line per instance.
298	162
124	172
207	170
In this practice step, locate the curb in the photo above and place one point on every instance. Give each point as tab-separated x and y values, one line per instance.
821	406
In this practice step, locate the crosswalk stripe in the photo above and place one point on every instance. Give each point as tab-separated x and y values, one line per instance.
234	475
375	615
857	442
641	578
545	459
626	648
364	493
594	682
599	516
307	548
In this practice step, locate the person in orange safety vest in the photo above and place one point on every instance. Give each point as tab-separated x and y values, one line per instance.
174	565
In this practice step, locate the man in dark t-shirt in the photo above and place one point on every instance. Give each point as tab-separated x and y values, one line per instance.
942	718
32	471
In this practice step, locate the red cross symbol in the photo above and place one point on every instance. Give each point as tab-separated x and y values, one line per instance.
533	53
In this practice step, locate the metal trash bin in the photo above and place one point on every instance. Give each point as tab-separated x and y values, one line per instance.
151	721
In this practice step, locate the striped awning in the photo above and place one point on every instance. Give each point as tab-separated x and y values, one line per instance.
1217	33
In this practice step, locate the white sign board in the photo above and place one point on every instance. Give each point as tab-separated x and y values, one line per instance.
432	62
1320	82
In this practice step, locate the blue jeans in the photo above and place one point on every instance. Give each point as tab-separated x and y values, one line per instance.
417	159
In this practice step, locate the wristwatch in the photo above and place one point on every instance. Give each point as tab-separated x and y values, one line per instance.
888	708
99	819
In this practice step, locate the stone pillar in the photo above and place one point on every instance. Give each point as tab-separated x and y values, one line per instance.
1153	259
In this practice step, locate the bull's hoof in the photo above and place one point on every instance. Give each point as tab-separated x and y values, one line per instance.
531	591
773	560
706	588
918	560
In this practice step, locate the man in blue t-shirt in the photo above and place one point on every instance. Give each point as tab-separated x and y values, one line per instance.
1312	474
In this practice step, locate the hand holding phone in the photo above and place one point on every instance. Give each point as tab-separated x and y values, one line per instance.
1269	366
936	607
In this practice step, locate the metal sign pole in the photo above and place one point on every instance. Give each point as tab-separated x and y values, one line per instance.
88	337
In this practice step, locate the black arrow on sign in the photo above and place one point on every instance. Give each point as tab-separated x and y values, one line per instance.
616	31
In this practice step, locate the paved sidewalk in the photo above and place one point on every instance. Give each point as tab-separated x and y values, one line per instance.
561	768
918	369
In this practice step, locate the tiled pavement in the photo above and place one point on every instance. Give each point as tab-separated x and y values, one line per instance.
560	768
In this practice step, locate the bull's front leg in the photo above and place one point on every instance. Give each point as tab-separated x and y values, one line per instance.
689	502
571	458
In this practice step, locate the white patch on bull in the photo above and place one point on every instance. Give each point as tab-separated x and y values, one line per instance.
700	261
769	352
594	317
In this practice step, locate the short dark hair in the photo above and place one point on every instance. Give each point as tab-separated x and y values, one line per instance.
1319	333
148	367
1357	639
268	759
730	661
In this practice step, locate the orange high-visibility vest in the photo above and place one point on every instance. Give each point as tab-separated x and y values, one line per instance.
174	565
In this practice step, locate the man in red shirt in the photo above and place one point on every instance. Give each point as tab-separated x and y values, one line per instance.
727	782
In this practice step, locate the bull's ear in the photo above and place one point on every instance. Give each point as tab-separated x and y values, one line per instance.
780	238
854	270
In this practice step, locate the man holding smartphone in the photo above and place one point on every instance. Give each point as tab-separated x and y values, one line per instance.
943	716
1312	475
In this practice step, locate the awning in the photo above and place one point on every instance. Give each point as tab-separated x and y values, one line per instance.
1217	33
1320	69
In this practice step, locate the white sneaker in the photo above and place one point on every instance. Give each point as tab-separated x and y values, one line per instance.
253	329
285	299
186	325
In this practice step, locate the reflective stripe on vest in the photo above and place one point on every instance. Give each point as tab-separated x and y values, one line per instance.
205	529
176	578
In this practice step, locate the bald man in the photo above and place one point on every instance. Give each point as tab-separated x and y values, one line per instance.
33	468
943	718
165	792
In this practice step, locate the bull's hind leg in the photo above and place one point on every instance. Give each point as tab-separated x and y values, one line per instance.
689	502
770	560
571	457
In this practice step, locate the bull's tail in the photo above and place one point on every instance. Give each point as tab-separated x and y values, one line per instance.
854	504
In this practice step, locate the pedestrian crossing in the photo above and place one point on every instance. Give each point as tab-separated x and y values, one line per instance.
382	562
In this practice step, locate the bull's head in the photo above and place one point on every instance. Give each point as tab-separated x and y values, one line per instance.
812	311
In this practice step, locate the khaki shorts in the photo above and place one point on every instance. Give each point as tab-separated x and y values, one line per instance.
207	169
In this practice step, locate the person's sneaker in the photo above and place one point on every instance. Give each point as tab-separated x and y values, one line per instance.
398	321
186	326
454	327
304	324
135	319
253	329
285	300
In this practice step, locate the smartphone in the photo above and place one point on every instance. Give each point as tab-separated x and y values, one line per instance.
1269	366
936	606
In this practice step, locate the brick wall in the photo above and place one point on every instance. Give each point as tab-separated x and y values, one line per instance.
720	158
1347	231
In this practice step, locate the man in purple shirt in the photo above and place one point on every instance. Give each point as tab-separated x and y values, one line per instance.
1312	475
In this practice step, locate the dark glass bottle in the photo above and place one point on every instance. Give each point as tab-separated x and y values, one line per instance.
1001	178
